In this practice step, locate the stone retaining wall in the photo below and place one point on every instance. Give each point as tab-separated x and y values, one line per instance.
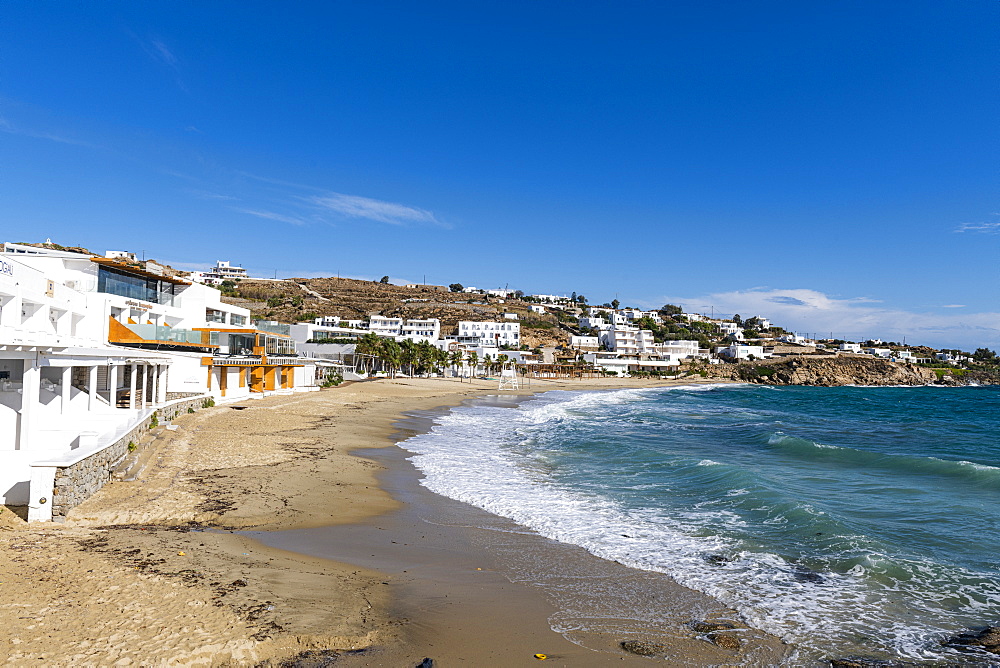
77	482
183	395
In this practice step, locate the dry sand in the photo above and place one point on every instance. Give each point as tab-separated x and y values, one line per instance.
150	571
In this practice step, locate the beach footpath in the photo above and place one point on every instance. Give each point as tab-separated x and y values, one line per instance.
155	570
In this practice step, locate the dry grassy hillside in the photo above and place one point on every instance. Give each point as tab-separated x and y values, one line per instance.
302	299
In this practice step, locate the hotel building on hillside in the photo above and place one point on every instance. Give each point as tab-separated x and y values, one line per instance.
90	347
489	334
222	271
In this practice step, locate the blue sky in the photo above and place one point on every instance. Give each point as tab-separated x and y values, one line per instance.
832	165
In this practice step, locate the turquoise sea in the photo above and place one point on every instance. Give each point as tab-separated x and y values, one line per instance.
848	521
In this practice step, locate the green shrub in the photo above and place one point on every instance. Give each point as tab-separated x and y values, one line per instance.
333	380
132	446
190	409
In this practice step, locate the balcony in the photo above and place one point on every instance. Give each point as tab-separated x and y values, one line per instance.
155	334
272	327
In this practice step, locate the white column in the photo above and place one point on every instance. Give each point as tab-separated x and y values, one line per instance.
154	377
113	385
65	382
145	380
92	387
132	387
164	373
29	402
10	315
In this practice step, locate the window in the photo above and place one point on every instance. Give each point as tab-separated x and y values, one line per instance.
236	319
116	282
214	315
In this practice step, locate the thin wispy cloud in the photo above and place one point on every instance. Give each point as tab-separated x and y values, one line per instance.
354	206
270	215
859	318
162	53
204	194
953	306
10	128
983	227
278	182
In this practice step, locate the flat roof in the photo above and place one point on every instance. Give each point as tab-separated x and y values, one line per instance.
138	271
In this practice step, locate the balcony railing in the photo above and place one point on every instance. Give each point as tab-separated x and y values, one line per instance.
162	333
272	327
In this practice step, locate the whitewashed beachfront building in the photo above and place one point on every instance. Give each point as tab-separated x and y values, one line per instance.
90	347
489	334
739	351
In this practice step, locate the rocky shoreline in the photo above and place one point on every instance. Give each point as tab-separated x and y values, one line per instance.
836	371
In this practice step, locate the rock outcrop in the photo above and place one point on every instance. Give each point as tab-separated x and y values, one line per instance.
830	371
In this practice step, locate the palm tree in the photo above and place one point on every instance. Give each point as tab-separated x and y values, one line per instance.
369	346
440	359
408	354
391	353
426	356
474	362
455	358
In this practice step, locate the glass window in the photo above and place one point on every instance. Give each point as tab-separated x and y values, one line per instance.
115	282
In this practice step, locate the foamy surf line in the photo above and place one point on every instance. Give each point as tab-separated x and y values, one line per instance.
489	457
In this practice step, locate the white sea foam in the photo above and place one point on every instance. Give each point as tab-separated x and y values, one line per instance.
472	455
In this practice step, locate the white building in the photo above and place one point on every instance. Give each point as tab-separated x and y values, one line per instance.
421	330
589	343
884	353
679	350
627	340
385	326
490	334
414	329
633	314
304	332
727	328
593	322
222	271
90	347
537	308
551	299
738	351
850	347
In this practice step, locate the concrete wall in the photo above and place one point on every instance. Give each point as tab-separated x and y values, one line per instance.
75	483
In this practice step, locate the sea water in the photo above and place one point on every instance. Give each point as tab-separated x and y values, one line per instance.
847	521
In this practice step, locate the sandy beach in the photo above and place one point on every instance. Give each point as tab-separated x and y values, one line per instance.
167	568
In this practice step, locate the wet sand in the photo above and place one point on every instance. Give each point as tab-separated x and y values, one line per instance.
162	570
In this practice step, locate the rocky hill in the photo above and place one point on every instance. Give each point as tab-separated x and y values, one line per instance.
831	371
303	299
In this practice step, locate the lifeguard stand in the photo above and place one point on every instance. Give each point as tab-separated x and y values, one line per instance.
508	378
